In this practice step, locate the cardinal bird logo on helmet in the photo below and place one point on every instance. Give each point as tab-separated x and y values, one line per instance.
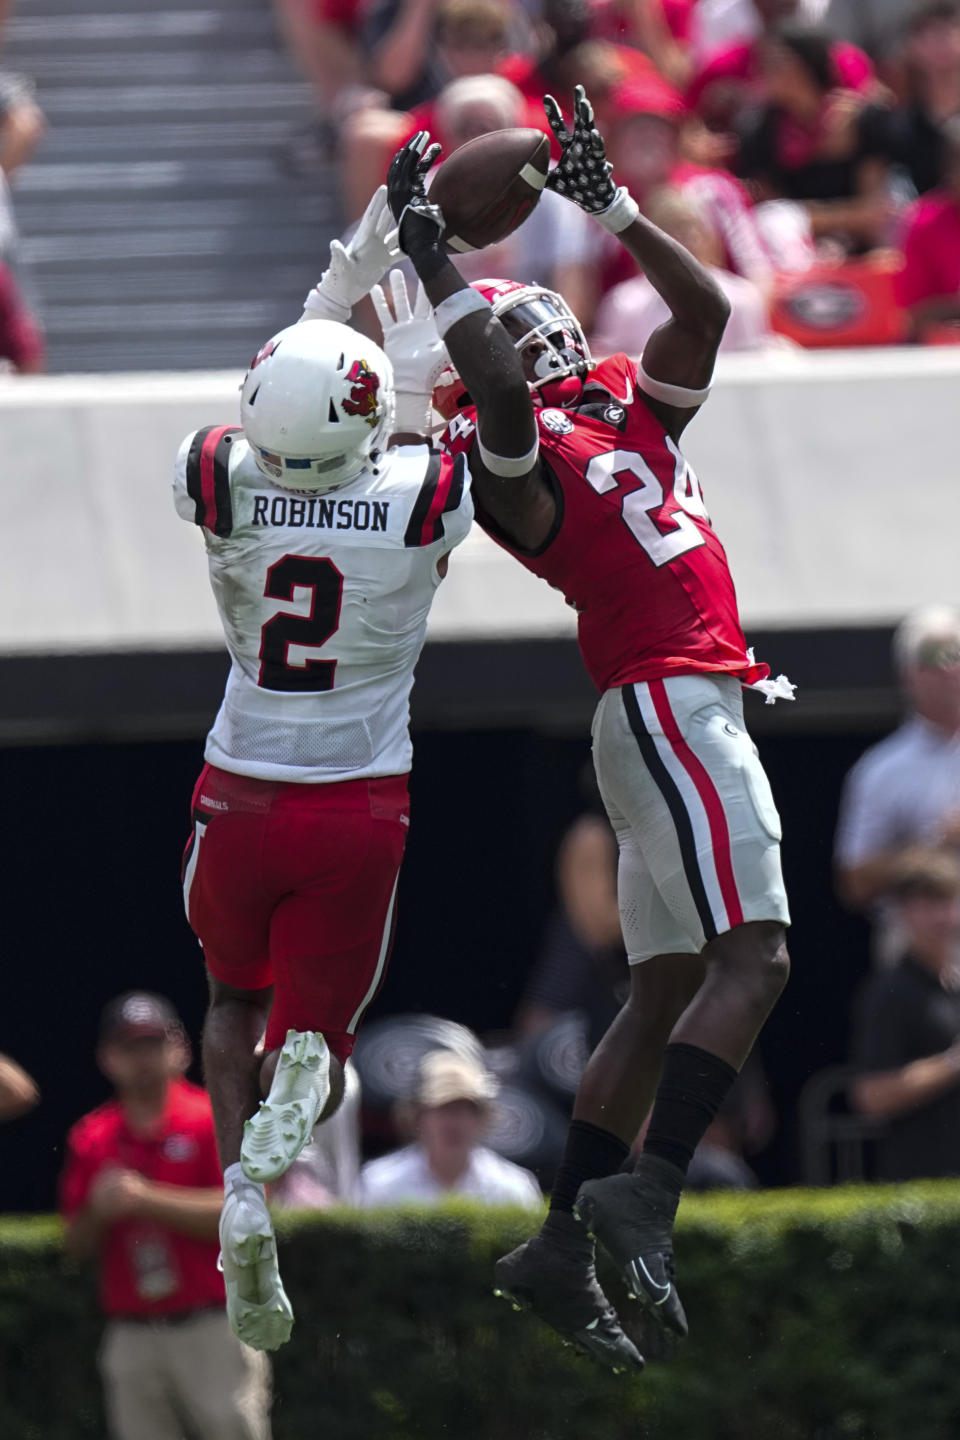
364	391
264	353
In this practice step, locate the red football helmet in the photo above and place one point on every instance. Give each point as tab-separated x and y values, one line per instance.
552	346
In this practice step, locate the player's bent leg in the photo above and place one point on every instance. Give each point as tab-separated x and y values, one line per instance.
661	990
553	1274
257	1306
684	787
299	1096
746	970
330	941
615	1093
233	1033
633	1215
620	1080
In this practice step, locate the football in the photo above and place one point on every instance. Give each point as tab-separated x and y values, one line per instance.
489	186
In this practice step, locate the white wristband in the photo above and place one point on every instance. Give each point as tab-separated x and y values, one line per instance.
680	395
413	415
457	307
321	306
621	212
508	466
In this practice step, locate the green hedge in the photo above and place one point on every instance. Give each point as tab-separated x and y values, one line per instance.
828	1315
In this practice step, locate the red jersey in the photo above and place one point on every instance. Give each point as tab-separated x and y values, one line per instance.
632	549
931	250
145	1268
742	64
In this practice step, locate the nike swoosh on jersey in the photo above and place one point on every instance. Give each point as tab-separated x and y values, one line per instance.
657	1292
624	399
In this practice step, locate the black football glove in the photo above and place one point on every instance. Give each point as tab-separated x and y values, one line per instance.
420	224
582	173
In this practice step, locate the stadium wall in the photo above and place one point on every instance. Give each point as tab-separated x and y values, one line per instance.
813	1317
831	478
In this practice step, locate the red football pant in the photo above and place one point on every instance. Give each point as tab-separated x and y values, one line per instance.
295	886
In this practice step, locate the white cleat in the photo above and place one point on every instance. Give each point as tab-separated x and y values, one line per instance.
274	1137
257	1306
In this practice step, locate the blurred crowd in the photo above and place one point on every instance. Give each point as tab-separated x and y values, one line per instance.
808	150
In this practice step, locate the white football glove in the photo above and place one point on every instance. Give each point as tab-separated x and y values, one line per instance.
414	349
358	265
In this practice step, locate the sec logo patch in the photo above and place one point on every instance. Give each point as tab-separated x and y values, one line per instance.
557	421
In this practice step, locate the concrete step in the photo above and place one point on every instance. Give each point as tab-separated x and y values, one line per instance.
26	34
286	283
228	242
257	176
222	102
201	67
171	350
163	317
31	10
78	214
148	139
159	225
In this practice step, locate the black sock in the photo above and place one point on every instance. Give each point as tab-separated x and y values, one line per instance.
693	1086
590	1154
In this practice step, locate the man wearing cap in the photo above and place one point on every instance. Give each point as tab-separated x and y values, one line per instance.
453	1105
141	1190
905	791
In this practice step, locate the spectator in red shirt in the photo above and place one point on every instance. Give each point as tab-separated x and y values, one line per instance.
141	1190
736	76
21	344
818	143
929	284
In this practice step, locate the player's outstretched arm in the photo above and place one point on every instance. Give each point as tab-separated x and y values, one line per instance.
356	267
416	352
679	357
504	464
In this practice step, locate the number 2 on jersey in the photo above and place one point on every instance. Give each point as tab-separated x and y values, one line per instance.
662	545
325	583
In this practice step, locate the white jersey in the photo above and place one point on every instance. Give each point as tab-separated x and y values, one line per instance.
324	602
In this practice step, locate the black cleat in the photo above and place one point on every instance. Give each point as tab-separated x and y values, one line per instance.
563	1292
632	1217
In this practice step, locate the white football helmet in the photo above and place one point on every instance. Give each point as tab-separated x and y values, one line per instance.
554	350
317	405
